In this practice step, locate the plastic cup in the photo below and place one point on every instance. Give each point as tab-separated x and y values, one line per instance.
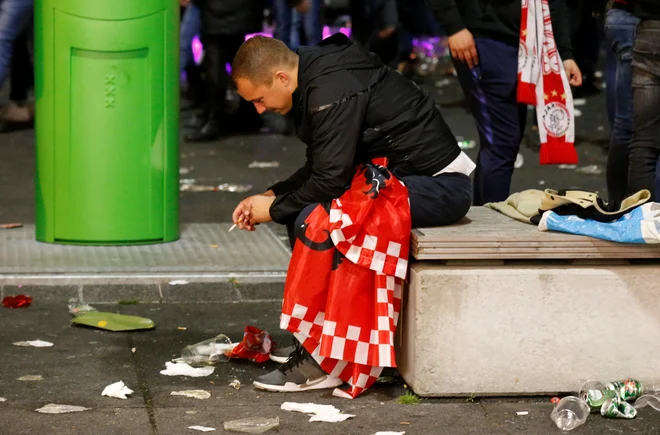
570	412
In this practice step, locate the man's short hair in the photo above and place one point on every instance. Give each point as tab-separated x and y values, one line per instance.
259	57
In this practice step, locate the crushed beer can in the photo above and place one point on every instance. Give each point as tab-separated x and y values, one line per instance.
627	389
618	408
595	397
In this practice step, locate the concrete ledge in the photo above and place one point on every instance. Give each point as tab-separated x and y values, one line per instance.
516	330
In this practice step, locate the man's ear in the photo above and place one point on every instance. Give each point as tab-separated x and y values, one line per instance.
282	77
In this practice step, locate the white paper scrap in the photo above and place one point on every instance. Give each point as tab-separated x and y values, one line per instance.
327	413
33	343
30	378
53	408
390	433
183	369
195	394
202	428
179	282
235	384
118	390
522	413
2	399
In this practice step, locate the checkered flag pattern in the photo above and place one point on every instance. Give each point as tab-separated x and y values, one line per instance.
345	315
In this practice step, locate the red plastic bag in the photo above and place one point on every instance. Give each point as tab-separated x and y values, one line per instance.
256	345
19	301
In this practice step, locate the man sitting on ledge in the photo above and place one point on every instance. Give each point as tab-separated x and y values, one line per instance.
349	109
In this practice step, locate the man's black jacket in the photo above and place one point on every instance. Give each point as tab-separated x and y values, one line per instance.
499	20
349	108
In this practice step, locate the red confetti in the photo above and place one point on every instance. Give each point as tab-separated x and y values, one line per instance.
19	301
256	345
554	399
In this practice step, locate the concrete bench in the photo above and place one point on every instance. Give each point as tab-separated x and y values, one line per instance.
495	307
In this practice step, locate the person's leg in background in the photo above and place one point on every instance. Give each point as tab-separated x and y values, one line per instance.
490	89
610	84
283	21
216	86
190	27
645	145
19	112
620	31
245	119
14	16
312	23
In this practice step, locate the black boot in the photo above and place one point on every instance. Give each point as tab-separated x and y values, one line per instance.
208	132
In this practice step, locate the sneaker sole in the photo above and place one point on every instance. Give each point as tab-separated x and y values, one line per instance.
280	359
290	387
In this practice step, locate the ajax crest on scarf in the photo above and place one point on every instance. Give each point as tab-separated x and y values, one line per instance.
542	83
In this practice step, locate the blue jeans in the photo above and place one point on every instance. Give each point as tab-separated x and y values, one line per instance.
190	26
288	22
14	15
620	32
490	89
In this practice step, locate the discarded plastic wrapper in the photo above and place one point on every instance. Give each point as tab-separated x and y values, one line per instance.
235	384
113	322
522	413
202	428
53	408
118	390
2	399
10	226
77	308
33	343
252	424
234	188
30	378
179	282
264	165
256	345
327	413
183	369
390	433
195	394
18	301
590	170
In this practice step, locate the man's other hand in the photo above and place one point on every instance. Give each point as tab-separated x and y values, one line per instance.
573	73
463	48
304	6
184	3
242	214
253	211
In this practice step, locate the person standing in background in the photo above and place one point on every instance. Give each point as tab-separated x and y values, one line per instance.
484	39
224	26
292	16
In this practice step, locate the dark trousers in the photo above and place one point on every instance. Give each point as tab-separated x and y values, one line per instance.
490	89
22	70
219	50
645	146
434	201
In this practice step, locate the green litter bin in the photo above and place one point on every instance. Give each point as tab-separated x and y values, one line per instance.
107	124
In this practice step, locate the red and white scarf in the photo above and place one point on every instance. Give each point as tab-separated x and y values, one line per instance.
542	82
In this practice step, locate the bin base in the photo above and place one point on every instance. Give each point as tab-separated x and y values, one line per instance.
107	242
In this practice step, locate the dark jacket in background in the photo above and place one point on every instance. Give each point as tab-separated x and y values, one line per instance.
646	9
499	20
231	17
350	108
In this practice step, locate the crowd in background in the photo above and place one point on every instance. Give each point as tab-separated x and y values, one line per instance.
629	30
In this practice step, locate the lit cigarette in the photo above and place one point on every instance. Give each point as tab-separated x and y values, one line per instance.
240	219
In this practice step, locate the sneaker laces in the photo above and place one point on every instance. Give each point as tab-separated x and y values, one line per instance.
296	358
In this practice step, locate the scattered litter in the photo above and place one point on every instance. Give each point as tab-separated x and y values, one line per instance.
31	378
541	182
579	102
567	166
207	352
598	74
327	413
33	343
235	384
386	380
255	346
570	413
252	424
179	282
18	301
118	390
113	322
2	399
10	226
192	412
181	328
390	433
195	394
185	171
466	144
577	113
202	428
183	369
234	188
133	350
554	400
522	413
263	165
520	161
53	408
590	170
648	399
215	246
405	422
442	83
77	308
600	128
